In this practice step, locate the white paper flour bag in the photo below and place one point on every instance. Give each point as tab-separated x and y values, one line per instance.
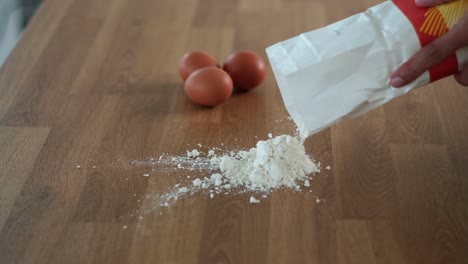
342	70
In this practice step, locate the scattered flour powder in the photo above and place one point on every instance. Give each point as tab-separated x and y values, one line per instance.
254	200
277	162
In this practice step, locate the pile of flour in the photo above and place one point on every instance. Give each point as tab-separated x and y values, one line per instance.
277	162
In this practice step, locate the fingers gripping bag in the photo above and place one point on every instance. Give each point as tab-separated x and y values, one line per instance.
342	70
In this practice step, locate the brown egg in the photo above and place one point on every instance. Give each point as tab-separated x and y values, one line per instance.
209	86
246	69
193	61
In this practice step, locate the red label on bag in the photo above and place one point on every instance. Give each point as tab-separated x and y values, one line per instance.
431	23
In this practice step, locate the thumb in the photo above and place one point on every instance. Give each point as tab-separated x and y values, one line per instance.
429	3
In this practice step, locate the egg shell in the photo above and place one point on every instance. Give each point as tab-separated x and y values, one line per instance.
209	86
246	69
193	61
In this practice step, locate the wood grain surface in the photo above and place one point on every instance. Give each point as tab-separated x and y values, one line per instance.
94	84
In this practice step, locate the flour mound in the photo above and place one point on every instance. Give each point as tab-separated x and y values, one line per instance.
277	162
273	163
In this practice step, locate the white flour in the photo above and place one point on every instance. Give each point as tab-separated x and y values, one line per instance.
253	200
277	162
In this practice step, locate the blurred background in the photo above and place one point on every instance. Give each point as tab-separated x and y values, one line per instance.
14	16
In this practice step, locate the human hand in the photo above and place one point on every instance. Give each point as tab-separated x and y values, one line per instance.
435	52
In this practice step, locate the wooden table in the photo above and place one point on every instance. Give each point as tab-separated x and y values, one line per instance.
94	84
